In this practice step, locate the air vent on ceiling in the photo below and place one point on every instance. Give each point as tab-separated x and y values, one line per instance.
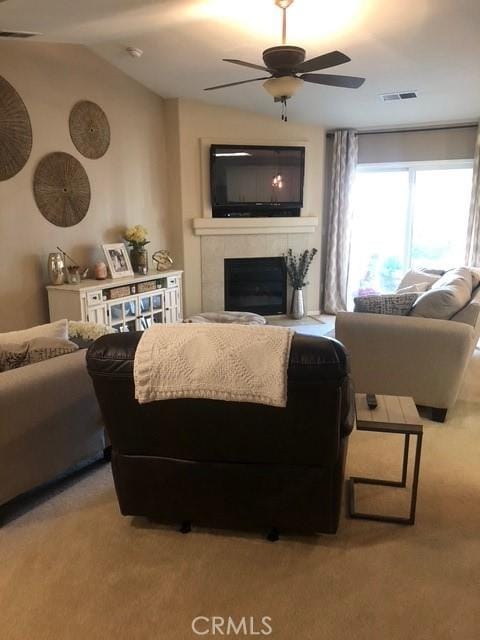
401	95
18	34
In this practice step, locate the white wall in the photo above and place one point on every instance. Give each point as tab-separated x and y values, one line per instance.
197	121
128	184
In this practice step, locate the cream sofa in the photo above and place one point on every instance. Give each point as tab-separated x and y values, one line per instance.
411	356
49	422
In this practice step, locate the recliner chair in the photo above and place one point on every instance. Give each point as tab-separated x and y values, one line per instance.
227	464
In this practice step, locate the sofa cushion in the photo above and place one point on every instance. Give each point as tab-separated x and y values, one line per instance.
58	329
13	356
446	297
391	304
418	276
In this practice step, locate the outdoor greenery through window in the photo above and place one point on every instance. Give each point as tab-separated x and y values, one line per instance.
407	216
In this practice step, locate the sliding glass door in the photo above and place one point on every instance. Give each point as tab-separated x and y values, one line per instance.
406	216
440	217
377	253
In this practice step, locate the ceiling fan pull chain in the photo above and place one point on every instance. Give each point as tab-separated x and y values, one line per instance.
284	110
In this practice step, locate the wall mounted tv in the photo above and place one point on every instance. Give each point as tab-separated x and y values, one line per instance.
256	181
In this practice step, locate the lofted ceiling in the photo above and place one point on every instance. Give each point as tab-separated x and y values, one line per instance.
430	46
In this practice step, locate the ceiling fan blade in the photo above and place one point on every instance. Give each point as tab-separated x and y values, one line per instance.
246	64
234	84
331	59
349	82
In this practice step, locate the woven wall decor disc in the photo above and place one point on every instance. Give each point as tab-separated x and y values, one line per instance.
61	189
15	131
89	129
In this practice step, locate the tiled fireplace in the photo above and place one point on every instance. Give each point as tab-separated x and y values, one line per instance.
215	249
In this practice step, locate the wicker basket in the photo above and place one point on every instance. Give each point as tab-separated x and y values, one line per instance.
120	292
145	287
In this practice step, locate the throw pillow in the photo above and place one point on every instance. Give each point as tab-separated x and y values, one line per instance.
58	329
446	297
13	356
433	272
415	288
390	304
475	277
417	277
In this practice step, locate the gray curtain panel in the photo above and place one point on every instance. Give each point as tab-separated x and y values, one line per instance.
472	254
344	162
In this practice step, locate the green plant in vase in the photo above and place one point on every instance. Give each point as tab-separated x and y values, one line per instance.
136	238
297	269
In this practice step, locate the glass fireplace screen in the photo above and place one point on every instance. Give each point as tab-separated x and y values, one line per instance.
258	285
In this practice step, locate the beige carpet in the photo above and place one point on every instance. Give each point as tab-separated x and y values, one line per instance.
73	568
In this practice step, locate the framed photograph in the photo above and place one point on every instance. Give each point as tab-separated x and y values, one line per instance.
118	260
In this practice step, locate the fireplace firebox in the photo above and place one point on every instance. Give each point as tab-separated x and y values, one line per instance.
258	285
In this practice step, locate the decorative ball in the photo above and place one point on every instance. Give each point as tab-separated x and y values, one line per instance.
162	259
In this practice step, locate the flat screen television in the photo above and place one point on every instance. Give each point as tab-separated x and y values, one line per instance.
256	181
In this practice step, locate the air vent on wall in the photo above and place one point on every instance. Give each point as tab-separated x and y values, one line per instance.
18	34
401	95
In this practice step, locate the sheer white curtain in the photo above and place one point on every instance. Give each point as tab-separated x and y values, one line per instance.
472	255
344	162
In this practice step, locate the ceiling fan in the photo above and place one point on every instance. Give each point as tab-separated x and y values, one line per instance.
288	68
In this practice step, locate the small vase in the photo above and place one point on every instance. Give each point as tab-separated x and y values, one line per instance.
139	259
297	309
72	274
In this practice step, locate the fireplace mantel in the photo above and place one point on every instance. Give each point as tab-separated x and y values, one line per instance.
257	226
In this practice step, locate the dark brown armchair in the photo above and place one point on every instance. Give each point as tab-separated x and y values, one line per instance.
226	464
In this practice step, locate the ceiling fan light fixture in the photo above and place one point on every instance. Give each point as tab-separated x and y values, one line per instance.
283	87
288	68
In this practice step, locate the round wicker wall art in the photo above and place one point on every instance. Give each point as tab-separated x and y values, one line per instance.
89	129
61	189
15	131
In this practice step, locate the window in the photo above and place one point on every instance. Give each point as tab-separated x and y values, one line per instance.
407	216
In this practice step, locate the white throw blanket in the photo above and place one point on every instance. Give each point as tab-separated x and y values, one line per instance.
240	363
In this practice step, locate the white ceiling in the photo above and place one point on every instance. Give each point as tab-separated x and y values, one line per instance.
432	46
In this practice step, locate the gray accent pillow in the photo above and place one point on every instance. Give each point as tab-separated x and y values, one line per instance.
390	304
446	297
13	356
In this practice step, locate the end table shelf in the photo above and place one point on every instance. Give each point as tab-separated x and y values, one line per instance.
394	414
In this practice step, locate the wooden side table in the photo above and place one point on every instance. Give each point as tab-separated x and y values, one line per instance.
394	414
